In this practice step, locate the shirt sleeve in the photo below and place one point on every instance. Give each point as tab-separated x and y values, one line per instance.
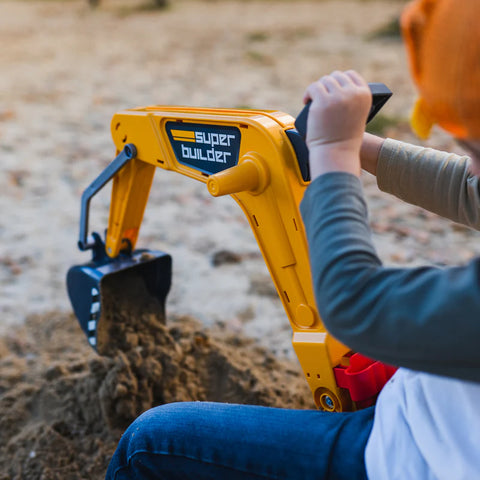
425	318
437	181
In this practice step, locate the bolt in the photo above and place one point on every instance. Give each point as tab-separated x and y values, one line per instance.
130	149
328	402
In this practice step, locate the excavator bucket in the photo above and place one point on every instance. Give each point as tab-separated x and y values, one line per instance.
109	295
106	294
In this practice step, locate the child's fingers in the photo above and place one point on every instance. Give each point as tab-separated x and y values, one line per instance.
330	83
341	77
314	90
323	86
356	78
306	97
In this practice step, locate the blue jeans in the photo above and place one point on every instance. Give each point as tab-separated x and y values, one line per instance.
202	440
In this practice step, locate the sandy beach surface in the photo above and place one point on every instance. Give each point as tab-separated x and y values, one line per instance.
67	68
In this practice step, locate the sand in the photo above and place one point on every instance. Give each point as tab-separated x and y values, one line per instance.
63	408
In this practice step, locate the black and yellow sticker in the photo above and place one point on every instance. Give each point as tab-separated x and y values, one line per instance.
207	148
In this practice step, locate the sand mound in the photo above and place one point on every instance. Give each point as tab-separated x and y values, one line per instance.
63	407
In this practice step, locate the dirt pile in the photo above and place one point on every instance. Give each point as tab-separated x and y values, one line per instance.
63	407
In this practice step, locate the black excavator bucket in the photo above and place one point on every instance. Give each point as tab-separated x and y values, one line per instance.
107	294
102	291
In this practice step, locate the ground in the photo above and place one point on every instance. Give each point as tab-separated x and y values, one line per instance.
66	69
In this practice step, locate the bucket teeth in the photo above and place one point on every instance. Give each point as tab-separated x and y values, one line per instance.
94	317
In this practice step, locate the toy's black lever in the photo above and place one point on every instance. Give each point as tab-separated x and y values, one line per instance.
380	94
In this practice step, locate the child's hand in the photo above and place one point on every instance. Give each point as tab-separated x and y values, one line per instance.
336	122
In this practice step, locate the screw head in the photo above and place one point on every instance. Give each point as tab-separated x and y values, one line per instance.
130	150
328	402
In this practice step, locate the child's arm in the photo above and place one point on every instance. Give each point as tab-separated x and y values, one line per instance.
370	152
423	318
437	181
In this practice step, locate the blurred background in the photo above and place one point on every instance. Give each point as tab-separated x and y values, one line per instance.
68	66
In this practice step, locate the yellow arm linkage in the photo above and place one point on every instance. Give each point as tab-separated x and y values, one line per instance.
247	154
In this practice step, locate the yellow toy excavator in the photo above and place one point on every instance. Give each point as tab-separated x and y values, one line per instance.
258	157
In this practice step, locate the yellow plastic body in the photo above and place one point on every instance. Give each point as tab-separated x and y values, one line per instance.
267	184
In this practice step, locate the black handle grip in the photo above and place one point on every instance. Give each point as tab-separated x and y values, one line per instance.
380	94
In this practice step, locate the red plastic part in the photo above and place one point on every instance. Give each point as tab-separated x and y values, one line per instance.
364	378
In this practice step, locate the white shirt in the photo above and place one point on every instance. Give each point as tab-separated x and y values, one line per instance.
426	427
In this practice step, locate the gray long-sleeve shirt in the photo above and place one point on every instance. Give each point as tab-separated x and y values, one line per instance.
437	181
423	318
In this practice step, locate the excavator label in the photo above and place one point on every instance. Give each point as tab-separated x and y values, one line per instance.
208	148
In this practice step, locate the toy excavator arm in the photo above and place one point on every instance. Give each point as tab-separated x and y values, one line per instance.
261	160
248	155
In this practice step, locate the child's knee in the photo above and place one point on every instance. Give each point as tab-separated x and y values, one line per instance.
155	429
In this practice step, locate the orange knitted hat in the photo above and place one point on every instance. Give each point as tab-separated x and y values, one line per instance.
442	38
